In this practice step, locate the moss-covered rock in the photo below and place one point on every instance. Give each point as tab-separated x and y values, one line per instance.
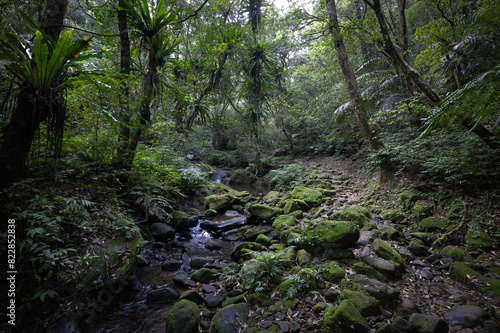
421	212
332	271
161	231
263	239
388	252
265	212
162	295
330	235
302	257
283	222
406	200
383	292
426	237
311	196
369	271
302	282
193	296
232	318
434	224
345	318
417	247
242	176
393	215
297	214
204	275
428	324
290	206
477	239
385	267
358	215
258	299
239	250
180	221
272	197
219	202
366	305
302	204
184	317
466	275
455	252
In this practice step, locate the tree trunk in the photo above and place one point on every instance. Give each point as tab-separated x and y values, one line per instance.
32	108
385	168
403	43
124	155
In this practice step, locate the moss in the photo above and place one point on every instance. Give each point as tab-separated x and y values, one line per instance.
358	215
466	275
219	202
311	196
393	215
478	240
290	206
388	252
230	319
346	318
328	234
426	237
238	251
421	212
455	252
263	239
184	317
258	299
272	197
362	268
283	222
406	200
302	257
298	214
203	275
264	212
333	272
367	305
434	224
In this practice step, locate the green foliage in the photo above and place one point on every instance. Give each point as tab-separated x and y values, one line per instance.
285	178
258	273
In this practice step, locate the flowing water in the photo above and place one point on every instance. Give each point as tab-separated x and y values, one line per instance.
129	311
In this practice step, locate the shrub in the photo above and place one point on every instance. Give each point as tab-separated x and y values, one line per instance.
285	178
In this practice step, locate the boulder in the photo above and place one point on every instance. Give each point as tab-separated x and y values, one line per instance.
385	267
193	296
477	240
212	245
283	222
264	212
199	262
231	224
219	202
330	235
162	295
345	318
171	265
184	317
272	197
366	305
468	316
428	324
239	250
161	231
204	275
213	300
312	197
383	292
434	224
232	318
455	252
332	272
358	215
393	215
290	206
388	252
263	239
180	221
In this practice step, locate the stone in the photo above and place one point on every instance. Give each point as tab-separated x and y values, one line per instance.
239	250
209	289
466	275
214	300
231	224
332	272
203	275
302	257
253	232
161	231
417	247
310	196
434	224
230	319
184	317
283	222
455	252
199	262
219	202
388	252
345	318
180	221
210	212
369	271
421	211
193	296
171	265
387	328
406	200
366	305
385	267
477	240
290	206
212	245
264	212
162	295
428	324
272	197
383	292
402	324
234	300
357	214
183	281
427	237
393	215
328	235
406	308
468	316
263	239
258	299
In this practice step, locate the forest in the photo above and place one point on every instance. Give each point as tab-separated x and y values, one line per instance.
250	166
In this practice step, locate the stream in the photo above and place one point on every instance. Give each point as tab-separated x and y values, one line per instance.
130	310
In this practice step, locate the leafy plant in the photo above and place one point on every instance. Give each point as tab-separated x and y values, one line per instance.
285	178
259	272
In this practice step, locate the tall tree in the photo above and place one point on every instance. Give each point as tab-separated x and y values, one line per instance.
385	167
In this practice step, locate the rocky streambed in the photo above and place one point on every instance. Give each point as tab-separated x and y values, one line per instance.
320	258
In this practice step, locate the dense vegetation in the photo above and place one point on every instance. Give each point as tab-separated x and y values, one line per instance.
113	114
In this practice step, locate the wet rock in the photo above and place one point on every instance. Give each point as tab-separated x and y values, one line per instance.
381	291
180	221
388	252
428	324
199	262
203	275
212	245
208	225
264	212
183	281
219	202
310	196
230	319
345	318
171	265
366	305
162	295
468	316
214	300
184	317
193	296
406	308
161	231
231	224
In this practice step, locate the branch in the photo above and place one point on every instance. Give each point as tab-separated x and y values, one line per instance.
194	14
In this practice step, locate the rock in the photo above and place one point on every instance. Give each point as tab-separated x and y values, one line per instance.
193	221
183	281
264	212
358	215
302	257
212	245
263	239
393	215
385	267
417	247
209	289
184	317
345	318
210	212
162	295
434	224
369	271
428	324
366	305
199	262
171	265
421	212
239	250
289	288
392	233
381	291
290	206
455	252
203	275
234	300
259	299
230	319
491	326
180	221
332	272
468	316
231	224
219	202
214	300
406	308
466	275
161	231
208	225
387	328
327	235
477	240
310	196
272	197
388	252
193	296
319	307
282	223
406	200
426	237
402	324
253	232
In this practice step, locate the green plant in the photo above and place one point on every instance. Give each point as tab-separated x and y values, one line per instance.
259	272
285	178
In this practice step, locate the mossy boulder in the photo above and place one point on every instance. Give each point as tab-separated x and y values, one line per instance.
466	275
272	197
312	197
302	204
358	215
393	215
417	247
180	221
193	296
242	176
265	212
302	257
427	237
421	211
406	200
478	240
385	267
290	206
434	224
455	252
230	319
161	231
383	292
219	202
239	250
330	234
388	252
283	222
366	305
184	317
345	318
428	324
204	275
263	239
369	271
332	271
258	299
